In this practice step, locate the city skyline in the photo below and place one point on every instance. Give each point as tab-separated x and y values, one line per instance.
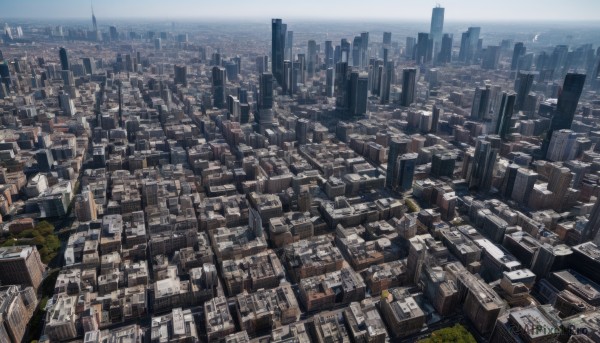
461	11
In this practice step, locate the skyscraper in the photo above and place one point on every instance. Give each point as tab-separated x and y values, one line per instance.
114	34
358	93
278	33
468	45
445	54
491	57
328	53
64	60
423	53
356	52
312	58
218	84
341	86
364	49
330	77
409	80
481	103
386	82
437	27
5	75
505	114
265	117
181	75
289	46
518	52
523	84
345	50
387	38
265	99
484	162
566	106
397	147
406	171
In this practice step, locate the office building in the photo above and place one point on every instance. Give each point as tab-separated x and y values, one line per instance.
358	92
85	206
218	86
504	119
565	107
387	38
64	60
523	84
468	45
491	57
518	52
445	54
21	265
481	103
278	33
436	29
180	75
483	165
289	46
424	48
409	86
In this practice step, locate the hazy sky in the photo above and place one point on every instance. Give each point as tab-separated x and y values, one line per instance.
456	10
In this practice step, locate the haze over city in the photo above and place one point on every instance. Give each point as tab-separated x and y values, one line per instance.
299	171
461	10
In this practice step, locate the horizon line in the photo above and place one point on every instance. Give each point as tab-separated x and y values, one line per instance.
313	19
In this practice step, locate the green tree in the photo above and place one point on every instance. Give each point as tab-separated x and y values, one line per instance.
456	334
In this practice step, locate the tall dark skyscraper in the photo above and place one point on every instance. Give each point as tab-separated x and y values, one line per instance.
400	166
364	49
345	50
437	27
264	116
409	86
64	60
359	84
356	52
5	73
523	84
397	147
566	106
328	53
445	54
386	82
265	99
518	52
218	83
481	103
312	58
181	75
329	81
341	86
483	166
505	114
278	33
423	53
